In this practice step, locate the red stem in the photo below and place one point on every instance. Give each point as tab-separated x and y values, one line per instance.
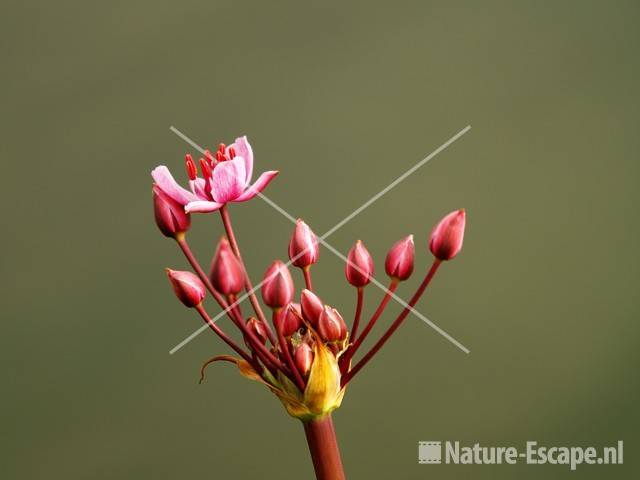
257	347
394	326
184	246
323	446
205	316
255	342
383	304
284	347
306	271
226	221
344	360
356	320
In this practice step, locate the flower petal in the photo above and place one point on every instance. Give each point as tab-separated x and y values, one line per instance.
198	188
227	181
202	206
243	149
166	182
258	186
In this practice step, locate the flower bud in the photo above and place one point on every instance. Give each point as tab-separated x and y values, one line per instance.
291	320
331	326
446	238
303	358
259	330
227	275
170	216
359	267
277	288
188	287
311	307
303	247
399	261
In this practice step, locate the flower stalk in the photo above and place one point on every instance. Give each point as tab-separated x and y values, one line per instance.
323	447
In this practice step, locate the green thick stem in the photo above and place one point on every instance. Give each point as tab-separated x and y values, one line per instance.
323	446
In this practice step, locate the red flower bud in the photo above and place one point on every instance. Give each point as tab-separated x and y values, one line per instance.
303	358
311	307
170	216
227	275
188	287
359	267
399	261
303	247
258	329
446	238
331	326
277	288
291	320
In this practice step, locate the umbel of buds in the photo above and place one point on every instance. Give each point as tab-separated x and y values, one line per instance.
399	261
169	214
447	236
227	275
188	287
303	247
359	268
310	355
277	288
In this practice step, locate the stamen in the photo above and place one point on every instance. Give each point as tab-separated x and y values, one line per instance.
209	157
220	156
192	171
232	153
205	168
222	147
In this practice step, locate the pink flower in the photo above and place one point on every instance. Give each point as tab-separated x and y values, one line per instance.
399	261
303	357
187	286
277	287
303	247
331	326
227	275
291	320
170	216
446	238
225	178
311	306
359	268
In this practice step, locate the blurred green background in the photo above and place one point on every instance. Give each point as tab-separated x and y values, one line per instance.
341	98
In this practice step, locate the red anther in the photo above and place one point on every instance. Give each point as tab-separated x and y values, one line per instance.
209	156
232	153
205	168
192	171
222	147
220	156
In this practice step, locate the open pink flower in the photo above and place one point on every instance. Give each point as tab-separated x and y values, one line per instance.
225	178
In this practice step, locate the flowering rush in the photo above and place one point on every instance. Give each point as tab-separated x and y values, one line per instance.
306	352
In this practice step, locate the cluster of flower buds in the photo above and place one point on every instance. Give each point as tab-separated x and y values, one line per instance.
305	352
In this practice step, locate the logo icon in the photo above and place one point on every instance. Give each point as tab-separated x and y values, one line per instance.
429	452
